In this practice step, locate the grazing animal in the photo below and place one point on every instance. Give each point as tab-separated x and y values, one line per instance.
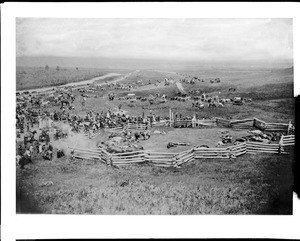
111	96
220	143
212	105
65	102
24	160
151	101
145	134
60	153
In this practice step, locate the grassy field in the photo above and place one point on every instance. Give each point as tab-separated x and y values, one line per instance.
251	184
37	77
279	110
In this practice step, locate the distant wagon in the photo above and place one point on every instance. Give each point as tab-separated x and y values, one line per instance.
130	96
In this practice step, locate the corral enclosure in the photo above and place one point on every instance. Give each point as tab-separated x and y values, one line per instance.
250	184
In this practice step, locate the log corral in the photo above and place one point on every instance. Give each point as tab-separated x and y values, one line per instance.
177	159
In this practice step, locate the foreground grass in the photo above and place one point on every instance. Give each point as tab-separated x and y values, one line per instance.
252	184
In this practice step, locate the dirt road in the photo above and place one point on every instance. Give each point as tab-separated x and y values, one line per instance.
120	79
84	82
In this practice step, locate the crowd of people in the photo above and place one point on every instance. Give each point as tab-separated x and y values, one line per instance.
30	116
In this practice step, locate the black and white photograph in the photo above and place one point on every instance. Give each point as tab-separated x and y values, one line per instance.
149	120
154	116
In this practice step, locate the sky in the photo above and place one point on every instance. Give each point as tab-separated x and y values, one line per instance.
181	39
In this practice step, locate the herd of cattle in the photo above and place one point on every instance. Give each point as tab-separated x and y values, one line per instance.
197	101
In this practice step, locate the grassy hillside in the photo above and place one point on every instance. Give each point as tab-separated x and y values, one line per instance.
251	184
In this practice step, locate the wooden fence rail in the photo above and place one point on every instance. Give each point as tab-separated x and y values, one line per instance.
288	140
253	147
161	123
136	126
242	124
223	122
199	123
177	159
194	123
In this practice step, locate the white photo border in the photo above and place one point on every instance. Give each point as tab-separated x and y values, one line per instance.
92	226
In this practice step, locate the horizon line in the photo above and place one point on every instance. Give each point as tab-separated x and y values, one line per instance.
161	59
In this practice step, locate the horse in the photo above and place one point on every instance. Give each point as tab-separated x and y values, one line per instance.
145	134
47	155
64	102
137	135
212	105
111	96
151	101
24	160
112	135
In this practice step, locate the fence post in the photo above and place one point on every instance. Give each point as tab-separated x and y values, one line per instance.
231	154
280	147
289	127
230	125
72	155
172	119
175	162
217	123
110	161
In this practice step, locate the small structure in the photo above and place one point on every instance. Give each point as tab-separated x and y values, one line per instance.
130	96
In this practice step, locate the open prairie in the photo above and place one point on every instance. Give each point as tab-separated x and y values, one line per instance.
250	184
38	77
